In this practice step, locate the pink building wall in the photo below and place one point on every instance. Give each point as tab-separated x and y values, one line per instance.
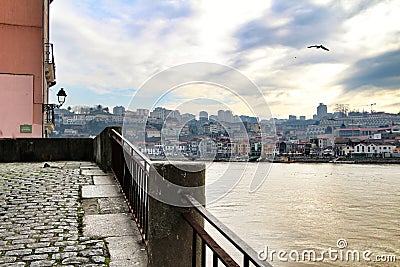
17	89
21	67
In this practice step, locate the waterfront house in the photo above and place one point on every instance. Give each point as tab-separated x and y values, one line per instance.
386	150
371	149
360	149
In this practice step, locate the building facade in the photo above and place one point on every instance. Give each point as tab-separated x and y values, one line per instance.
322	111
27	68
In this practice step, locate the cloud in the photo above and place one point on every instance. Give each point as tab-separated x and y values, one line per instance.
290	23
106	49
185	83
385	100
373	30
116	49
381	71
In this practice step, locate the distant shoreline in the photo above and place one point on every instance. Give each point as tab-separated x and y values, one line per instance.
314	160
349	161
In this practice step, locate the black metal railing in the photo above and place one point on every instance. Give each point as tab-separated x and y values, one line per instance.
132	170
218	254
48	110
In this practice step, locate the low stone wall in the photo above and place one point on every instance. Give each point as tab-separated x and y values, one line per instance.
46	149
102	148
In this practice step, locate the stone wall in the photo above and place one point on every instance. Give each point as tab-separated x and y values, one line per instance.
45	149
102	148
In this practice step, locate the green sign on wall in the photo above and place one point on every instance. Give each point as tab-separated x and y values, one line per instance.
25	128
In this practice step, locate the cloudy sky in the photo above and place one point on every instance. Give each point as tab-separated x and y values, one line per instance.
106	50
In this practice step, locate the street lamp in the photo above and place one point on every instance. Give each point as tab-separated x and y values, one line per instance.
49	108
61	95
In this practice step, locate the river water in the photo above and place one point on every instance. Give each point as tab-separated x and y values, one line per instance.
310	207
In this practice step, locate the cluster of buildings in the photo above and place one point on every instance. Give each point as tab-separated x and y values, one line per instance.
164	133
341	133
86	121
168	133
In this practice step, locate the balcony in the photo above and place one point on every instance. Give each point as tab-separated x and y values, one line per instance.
48	111
49	65
49	125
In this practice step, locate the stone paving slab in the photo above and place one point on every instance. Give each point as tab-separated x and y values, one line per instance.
93	172
89	167
96	191
107	225
99	180
121	252
90	206
112	205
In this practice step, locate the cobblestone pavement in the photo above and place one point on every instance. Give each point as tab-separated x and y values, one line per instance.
41	217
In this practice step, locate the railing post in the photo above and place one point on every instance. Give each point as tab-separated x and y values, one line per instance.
170	236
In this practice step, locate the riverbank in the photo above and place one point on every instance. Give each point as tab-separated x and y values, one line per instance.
340	160
312	160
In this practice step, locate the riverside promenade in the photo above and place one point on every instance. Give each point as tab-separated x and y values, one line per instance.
68	214
72	212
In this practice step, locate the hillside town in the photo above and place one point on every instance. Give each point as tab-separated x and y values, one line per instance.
163	133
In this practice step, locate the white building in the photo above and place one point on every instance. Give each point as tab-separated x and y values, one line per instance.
372	149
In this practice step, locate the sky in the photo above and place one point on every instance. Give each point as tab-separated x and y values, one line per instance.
106	51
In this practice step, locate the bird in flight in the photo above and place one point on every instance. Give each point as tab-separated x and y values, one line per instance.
318	47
